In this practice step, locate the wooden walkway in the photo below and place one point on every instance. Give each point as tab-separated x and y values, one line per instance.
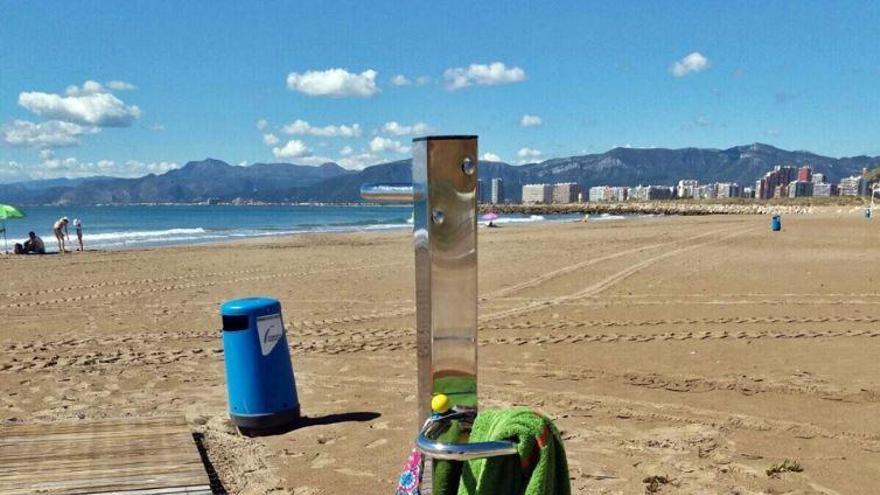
125	456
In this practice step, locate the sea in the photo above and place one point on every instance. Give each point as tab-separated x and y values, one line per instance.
132	227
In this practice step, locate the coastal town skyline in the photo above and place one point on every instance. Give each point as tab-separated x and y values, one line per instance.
783	181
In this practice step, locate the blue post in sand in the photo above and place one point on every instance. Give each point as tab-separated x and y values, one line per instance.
776	223
868	213
259	377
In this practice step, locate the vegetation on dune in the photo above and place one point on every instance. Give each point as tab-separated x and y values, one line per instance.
786	466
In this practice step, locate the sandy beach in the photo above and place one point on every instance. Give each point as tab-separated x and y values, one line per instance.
700	349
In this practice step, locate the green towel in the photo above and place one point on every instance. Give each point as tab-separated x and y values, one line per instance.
540	468
447	473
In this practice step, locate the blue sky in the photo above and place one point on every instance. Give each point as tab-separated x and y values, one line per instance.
179	81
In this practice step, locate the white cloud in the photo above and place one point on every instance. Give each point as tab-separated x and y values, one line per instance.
313	160
490	157
691	63
95	109
52	168
358	161
12	171
50	134
270	139
135	168
380	144
301	127
530	121
262	125
88	88
528	155
337	83
293	149
397	129
93	87
156	127
400	80
482	74
121	86
346	150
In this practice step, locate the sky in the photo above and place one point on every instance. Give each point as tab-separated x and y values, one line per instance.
129	88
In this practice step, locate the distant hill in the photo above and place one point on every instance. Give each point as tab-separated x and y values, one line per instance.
212	179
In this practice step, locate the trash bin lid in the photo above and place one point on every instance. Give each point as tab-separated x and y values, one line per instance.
250	305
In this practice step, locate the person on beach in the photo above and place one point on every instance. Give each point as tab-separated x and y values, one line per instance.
77	224
60	229
34	245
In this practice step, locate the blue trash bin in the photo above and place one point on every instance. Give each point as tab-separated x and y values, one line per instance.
776	223
259	377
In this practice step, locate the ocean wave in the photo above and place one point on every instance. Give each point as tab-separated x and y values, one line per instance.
606	216
529	219
146	234
110	240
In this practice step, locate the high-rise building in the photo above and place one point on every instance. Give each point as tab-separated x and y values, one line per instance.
537	193
727	190
823	189
800	189
566	192
805	173
608	193
648	193
852	186
687	188
497	191
774	184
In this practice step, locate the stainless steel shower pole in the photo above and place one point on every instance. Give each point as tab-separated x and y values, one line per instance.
444	197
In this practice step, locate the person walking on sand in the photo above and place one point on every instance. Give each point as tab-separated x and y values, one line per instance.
77	224
60	229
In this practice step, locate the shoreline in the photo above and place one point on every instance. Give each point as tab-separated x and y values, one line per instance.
606	212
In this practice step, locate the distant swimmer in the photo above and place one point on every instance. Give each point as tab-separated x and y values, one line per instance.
77	224
60	229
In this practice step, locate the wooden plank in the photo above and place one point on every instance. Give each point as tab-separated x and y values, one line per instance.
125	456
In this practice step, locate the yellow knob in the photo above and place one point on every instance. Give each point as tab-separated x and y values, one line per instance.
440	403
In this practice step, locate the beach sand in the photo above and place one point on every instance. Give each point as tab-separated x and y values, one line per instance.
700	349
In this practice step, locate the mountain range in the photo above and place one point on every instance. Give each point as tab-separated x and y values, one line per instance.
215	180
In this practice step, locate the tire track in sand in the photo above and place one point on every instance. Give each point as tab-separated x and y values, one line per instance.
609	281
171	288
128	350
507	291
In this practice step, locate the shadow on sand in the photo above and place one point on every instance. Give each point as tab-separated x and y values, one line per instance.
307	421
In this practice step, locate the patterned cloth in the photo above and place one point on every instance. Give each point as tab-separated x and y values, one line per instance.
411	477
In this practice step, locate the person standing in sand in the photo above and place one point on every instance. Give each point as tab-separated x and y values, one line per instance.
60	229
77	224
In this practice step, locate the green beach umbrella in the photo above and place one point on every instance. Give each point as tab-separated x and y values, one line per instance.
8	212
